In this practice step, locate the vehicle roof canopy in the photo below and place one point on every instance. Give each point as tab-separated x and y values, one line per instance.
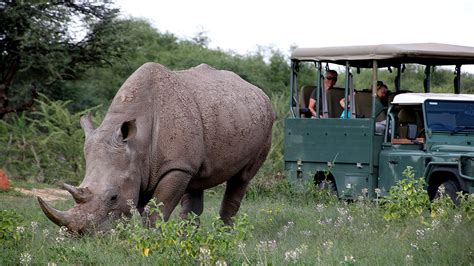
419	98
389	54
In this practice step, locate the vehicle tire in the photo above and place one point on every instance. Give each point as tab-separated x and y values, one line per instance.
450	188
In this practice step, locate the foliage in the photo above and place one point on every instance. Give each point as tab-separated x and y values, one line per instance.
408	198
10	226
183	240
274	231
467	204
45	145
45	43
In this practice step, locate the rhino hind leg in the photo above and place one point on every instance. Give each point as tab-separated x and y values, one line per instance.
234	193
192	201
237	185
169	191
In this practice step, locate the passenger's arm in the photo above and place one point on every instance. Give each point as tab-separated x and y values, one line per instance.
342	102
312	104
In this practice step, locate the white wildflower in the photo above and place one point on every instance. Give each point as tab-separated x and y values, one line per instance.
360	198
435	223
365	191
25	258
147	209
339	222
306	233
60	239
457	218
20	229
45	232
267	245
34	226
349	259
130	203
320	207
241	245
441	211
413	245
293	255
350	218
221	263
342	211
327	245
62	230
441	189
420	233
204	254
409	257
378	192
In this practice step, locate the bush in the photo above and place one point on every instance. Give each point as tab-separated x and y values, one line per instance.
183	240
44	146
408	198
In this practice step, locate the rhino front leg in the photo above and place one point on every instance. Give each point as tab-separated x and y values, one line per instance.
192	201
169	191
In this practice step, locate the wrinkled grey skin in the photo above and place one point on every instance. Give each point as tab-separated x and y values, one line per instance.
170	135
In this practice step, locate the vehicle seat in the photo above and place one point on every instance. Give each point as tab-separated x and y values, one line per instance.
334	107
406	118
305	94
363	104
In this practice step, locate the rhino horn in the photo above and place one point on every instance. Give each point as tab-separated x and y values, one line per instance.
80	195
86	124
58	217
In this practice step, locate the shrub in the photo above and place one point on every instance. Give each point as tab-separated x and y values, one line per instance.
183	240
45	145
11	226
408	198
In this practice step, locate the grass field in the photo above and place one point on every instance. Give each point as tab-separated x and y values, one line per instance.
271	229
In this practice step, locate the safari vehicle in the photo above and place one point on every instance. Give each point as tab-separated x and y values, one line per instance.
431	132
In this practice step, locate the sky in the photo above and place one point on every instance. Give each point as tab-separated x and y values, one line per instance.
245	25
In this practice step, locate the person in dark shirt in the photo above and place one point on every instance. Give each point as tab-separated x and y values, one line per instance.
330	80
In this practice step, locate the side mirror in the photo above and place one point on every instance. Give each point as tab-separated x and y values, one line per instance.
411	131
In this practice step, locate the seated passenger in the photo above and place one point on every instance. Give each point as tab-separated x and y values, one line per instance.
330	80
382	92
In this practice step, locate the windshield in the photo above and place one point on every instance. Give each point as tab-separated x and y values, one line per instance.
450	116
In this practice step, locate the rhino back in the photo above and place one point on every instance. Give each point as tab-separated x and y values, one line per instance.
236	117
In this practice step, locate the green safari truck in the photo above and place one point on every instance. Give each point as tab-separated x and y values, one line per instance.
371	145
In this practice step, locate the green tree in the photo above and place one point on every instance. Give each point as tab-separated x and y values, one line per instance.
43	43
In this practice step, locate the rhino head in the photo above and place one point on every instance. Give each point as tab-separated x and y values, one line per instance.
112	179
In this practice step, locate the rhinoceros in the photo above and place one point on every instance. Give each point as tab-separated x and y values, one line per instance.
169	135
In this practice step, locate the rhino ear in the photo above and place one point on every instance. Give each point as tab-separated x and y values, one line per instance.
128	130
86	124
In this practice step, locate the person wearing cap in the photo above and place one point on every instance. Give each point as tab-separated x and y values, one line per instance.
330	80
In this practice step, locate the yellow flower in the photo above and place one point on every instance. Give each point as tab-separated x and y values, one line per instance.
145	252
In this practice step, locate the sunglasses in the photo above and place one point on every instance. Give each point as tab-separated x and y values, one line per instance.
331	78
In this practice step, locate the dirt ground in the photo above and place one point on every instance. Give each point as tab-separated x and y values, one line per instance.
48	194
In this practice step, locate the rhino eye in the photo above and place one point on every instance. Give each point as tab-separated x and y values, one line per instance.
113	198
